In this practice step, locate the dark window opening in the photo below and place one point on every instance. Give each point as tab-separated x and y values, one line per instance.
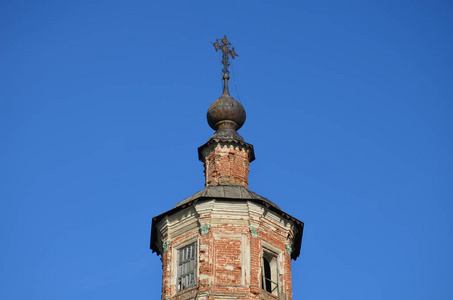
269	281
267	276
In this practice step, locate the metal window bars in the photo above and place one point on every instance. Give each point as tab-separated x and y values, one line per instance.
271	284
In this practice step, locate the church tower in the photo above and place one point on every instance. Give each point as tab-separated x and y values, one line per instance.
226	242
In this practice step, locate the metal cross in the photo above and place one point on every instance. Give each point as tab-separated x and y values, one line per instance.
226	51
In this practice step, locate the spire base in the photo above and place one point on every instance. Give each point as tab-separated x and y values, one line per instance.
226	162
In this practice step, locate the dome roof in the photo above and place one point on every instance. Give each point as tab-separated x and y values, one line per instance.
226	110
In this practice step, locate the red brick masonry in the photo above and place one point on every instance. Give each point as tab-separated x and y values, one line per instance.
227	165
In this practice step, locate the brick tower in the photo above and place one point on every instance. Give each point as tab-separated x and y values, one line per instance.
226	242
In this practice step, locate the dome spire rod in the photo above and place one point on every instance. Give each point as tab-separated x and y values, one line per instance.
226	91
223	45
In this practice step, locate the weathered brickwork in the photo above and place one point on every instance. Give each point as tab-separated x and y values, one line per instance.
229	258
227	164
227	262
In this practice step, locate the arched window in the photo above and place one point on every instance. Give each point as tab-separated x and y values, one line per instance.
269	281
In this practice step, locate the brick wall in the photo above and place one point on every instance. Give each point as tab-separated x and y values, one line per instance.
226	165
229	258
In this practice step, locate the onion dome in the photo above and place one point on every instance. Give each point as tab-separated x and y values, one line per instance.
226	115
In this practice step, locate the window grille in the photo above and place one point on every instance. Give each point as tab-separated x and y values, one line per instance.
187	266
269	266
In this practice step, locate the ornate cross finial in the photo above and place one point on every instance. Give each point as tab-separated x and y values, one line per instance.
226	51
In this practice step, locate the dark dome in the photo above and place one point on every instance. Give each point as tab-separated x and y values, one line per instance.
226	109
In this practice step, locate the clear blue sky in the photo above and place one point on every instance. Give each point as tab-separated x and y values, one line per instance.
102	108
